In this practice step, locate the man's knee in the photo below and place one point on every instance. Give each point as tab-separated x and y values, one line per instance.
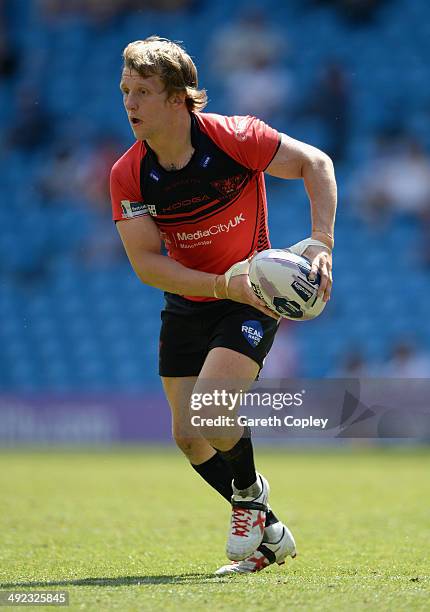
186	442
220	431
224	441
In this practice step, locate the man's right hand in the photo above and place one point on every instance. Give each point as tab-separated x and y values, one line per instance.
239	290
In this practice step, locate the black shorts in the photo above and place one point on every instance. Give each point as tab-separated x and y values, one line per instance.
190	330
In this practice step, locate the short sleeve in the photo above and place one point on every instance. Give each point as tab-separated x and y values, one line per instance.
247	139
125	191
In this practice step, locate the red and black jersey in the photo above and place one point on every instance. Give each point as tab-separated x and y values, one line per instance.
213	212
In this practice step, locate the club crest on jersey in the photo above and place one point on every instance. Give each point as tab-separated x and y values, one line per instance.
229	185
253	332
133	209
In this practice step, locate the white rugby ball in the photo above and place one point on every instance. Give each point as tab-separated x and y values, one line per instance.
281	280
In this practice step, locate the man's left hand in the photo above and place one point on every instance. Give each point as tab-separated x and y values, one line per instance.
321	260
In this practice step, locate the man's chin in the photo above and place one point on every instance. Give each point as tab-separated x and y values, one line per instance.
138	131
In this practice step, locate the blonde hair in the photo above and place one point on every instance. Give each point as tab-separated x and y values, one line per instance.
168	60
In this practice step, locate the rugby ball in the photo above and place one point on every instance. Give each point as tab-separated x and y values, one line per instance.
281	279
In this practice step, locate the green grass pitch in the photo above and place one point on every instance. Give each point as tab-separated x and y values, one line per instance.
137	529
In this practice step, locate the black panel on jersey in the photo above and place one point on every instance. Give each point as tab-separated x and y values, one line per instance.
208	184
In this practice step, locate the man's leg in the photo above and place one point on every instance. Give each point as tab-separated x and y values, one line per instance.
175	363
206	461
178	392
227	370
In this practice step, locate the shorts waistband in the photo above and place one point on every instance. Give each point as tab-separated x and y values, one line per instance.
178	301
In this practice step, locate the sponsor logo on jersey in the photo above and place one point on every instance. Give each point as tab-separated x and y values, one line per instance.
219	228
184	203
253	332
152	210
196	244
133	209
205	161
155	177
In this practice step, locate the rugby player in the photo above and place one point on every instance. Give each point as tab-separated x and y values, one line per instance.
194	181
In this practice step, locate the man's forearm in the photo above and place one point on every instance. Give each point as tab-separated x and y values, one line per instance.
167	274
320	184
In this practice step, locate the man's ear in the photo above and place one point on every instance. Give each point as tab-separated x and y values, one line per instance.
177	99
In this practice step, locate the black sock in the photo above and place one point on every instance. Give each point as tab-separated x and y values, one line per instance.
217	473
240	458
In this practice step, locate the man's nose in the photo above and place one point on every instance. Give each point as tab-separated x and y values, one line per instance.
131	102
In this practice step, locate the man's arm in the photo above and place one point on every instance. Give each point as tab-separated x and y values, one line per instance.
297	160
142	243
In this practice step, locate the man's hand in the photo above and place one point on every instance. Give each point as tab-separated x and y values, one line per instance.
321	259
239	290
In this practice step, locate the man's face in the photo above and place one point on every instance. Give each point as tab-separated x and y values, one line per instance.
146	104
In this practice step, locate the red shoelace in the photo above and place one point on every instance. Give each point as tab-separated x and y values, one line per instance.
241	521
259	562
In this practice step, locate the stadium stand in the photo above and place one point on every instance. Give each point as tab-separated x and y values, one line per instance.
68	294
